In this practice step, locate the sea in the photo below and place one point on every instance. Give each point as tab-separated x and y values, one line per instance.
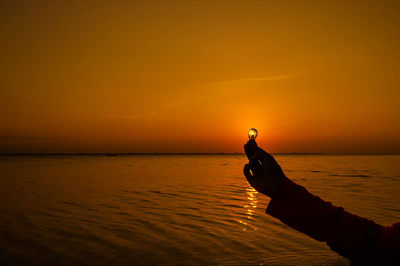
176	209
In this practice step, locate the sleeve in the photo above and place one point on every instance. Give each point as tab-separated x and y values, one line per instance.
388	244
349	235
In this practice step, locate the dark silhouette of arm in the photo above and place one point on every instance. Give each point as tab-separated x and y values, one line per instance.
360	240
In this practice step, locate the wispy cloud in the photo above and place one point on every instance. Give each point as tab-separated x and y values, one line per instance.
257	79
139	116
278	77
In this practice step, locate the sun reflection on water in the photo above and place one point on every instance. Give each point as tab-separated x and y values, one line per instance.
250	208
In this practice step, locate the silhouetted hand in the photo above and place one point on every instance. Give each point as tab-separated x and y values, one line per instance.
262	172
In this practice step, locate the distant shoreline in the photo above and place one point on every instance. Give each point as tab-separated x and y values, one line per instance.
137	153
171	153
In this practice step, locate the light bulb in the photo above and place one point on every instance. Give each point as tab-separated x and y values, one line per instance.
253	133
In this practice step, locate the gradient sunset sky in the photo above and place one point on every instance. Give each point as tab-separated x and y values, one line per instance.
194	76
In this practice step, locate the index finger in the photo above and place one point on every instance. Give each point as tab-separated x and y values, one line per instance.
258	152
253	151
249	151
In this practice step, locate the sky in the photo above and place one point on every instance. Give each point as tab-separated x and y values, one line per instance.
194	76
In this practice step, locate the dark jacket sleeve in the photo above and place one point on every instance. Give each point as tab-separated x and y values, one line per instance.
360	240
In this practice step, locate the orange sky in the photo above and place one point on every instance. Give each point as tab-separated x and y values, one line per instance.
194	76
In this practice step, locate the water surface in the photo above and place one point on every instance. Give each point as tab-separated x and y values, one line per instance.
182	210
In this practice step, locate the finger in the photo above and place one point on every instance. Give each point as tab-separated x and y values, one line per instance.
249	151
252	150
259	152
256	167
262	162
254	147
247	174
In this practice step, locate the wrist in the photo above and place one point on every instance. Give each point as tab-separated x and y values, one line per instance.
277	187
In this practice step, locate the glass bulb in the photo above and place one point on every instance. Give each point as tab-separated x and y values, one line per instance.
253	133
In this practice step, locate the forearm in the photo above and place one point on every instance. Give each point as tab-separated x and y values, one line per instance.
301	210
345	233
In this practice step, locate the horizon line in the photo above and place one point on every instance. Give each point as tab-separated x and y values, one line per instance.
184	153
